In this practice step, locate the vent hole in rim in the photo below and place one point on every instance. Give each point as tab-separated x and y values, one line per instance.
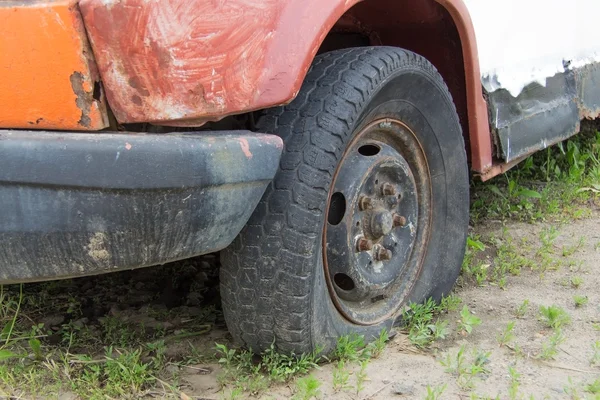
343	281
337	208
369	150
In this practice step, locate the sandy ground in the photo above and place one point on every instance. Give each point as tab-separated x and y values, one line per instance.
405	372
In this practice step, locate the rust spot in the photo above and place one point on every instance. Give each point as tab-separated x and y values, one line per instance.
137	84
37	121
137	100
162	55
84	99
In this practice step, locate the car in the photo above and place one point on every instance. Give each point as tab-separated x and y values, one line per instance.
323	147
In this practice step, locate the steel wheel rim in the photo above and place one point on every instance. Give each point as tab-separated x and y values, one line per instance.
377	222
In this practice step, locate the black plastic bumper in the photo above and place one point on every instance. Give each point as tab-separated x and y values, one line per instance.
76	204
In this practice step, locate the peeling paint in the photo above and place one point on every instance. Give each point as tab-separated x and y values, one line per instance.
83	99
193	61
245	147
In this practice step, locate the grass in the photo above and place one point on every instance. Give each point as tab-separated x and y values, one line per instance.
595	359
435	393
468	320
423	322
515	382
550	347
242	371
556	183
466	369
554	317
507	334
307	388
580	301
522	309
594	387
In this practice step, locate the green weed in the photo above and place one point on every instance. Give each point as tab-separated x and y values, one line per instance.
522	309
555	182
349	348
595	360
341	376
455	364
474	270
550	347
281	367
554	317
241	370
515	382
580	301
468	320
361	376
376	347
507	334
572	390
419	320
570	250
576	281
449	303
307	388
594	387
435	393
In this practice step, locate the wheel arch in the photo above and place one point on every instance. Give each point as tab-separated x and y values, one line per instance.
442	32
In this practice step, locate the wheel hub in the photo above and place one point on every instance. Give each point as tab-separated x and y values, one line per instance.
380	223
373	225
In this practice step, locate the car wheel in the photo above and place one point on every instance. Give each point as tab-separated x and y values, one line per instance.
368	211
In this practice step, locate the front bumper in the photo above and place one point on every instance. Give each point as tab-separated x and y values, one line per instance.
75	204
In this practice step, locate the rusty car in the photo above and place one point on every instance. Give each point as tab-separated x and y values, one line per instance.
324	148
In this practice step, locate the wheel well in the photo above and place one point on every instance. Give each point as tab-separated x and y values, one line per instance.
424	27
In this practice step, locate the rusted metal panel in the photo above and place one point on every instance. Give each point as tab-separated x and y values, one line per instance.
49	79
588	90
184	62
544	115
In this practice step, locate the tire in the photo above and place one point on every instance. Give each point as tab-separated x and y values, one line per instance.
276	279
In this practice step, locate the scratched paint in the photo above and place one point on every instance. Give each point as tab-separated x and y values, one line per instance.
525	41
184	62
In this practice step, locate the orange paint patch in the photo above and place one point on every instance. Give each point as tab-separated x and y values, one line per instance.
245	148
48	73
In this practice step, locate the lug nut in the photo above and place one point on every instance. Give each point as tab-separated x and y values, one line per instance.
365	203
388	189
383	254
364	244
399	220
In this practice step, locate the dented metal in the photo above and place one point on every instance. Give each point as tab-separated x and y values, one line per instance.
544	115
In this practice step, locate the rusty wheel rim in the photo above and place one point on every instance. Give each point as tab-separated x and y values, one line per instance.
377	222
